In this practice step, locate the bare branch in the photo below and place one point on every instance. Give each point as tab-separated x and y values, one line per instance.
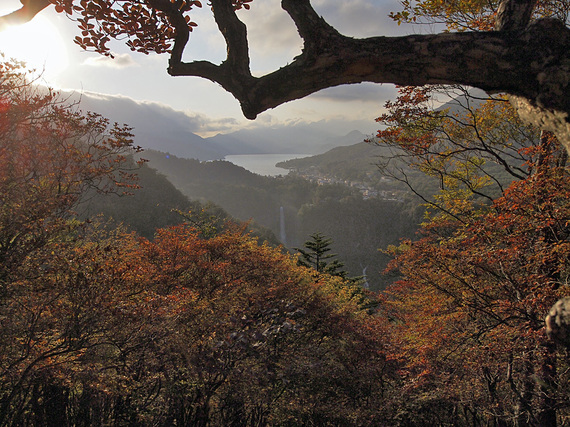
235	34
526	63
313	29
233	74
176	19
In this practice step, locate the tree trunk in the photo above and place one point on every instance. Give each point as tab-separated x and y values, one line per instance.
546	374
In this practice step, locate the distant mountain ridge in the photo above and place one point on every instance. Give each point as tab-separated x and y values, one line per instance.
159	127
299	139
155	126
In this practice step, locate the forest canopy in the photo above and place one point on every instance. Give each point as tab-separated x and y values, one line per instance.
203	324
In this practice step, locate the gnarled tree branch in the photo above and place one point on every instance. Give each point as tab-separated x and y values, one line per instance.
530	62
178	22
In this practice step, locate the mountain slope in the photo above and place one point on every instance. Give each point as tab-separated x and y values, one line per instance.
348	162
155	126
159	127
299	139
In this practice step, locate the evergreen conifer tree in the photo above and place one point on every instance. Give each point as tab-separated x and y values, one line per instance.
316	254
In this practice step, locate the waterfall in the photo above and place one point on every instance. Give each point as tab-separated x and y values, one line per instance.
282	226
365	285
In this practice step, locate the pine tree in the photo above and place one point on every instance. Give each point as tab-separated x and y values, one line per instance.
316	255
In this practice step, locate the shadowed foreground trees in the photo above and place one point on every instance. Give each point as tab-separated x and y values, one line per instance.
203	325
471	309
50	155
184	330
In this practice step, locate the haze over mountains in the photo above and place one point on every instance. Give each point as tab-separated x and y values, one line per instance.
162	128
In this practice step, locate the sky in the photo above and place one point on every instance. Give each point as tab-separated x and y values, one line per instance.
46	43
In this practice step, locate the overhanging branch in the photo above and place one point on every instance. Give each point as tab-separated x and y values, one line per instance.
313	29
530	62
233	74
235	34
177	20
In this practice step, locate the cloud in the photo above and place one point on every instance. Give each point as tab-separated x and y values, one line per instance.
274	40
184	133
363	92
158	126
211	126
362	18
270	30
152	117
120	60
143	114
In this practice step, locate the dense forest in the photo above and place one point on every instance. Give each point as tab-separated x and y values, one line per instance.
200	321
357	226
155	203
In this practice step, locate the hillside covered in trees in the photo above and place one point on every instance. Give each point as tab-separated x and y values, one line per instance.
358	227
200	322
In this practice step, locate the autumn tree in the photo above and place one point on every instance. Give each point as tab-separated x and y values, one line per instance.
483	276
515	46
189	329
261	337
65	316
202	325
471	145
50	154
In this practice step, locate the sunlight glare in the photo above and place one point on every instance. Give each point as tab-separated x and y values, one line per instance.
39	44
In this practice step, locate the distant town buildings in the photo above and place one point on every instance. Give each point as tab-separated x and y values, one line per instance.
368	190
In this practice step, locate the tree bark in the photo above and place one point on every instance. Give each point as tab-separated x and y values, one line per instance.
558	322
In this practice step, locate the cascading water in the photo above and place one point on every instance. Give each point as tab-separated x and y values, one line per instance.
283	236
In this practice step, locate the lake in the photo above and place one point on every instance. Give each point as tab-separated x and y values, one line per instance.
263	164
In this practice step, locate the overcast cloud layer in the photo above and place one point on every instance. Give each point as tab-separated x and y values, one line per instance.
163	128
118	61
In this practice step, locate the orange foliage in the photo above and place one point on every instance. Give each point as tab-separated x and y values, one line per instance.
471	305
